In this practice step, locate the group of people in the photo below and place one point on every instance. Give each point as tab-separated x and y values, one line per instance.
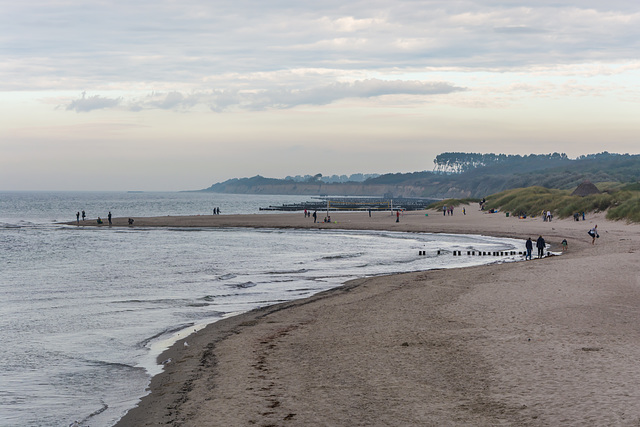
547	216
447	210
99	220
309	214
216	211
541	244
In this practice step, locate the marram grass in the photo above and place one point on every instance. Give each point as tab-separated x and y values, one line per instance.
532	201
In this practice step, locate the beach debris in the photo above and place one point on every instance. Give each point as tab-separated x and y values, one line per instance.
166	362
186	344
591	348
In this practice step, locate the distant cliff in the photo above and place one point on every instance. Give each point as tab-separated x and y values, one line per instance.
460	175
261	185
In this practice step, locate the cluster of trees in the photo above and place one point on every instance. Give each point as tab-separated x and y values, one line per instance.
460	175
456	162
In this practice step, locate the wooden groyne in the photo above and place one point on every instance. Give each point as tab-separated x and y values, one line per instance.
355	204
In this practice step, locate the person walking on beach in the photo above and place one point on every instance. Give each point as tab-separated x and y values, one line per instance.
540	245
594	233
397	216
78	217
83	215
529	246
109	217
444	210
315	216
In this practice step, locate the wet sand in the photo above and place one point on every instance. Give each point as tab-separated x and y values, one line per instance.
546	342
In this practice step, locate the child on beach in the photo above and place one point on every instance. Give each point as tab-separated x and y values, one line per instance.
564	245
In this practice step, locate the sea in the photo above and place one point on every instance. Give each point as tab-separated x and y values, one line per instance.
86	311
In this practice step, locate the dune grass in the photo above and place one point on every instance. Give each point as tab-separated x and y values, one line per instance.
531	201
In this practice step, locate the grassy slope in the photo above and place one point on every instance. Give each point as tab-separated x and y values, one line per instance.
620	205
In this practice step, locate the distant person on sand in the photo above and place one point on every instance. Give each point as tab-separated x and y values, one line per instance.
78	217
315	216
540	245
130	221
397	216
564	245
99	220
369	212
109	217
594	233
444	210
529	247
83	215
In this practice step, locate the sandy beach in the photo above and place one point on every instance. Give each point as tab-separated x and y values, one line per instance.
546	342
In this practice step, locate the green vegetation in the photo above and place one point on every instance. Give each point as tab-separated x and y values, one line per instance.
628	209
532	201
462	175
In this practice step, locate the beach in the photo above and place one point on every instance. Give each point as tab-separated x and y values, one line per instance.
545	342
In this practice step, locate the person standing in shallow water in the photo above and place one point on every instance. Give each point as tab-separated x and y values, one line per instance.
540	245
529	246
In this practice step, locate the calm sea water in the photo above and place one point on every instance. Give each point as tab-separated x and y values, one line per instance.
84	312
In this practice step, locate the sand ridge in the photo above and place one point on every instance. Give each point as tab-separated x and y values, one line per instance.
538	343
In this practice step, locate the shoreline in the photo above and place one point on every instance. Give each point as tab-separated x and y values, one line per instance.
273	365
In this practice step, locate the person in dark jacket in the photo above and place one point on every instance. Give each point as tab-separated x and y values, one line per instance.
529	246
540	245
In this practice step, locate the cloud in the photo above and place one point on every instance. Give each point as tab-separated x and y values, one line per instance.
73	45
519	29
95	102
267	98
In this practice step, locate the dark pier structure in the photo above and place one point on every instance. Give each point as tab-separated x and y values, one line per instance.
355	204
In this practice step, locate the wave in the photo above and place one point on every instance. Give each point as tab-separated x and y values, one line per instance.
91	415
302	270
342	256
166	331
242	285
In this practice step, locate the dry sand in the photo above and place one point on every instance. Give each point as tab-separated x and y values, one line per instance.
551	342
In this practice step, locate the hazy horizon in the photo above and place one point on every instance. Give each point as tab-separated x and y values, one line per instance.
173	96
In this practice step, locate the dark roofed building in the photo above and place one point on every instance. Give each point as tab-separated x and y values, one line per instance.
585	189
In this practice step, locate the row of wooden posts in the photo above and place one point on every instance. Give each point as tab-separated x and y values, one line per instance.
479	253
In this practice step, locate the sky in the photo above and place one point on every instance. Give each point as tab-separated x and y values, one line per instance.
169	95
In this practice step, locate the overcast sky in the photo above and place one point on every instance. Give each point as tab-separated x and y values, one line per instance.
177	95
